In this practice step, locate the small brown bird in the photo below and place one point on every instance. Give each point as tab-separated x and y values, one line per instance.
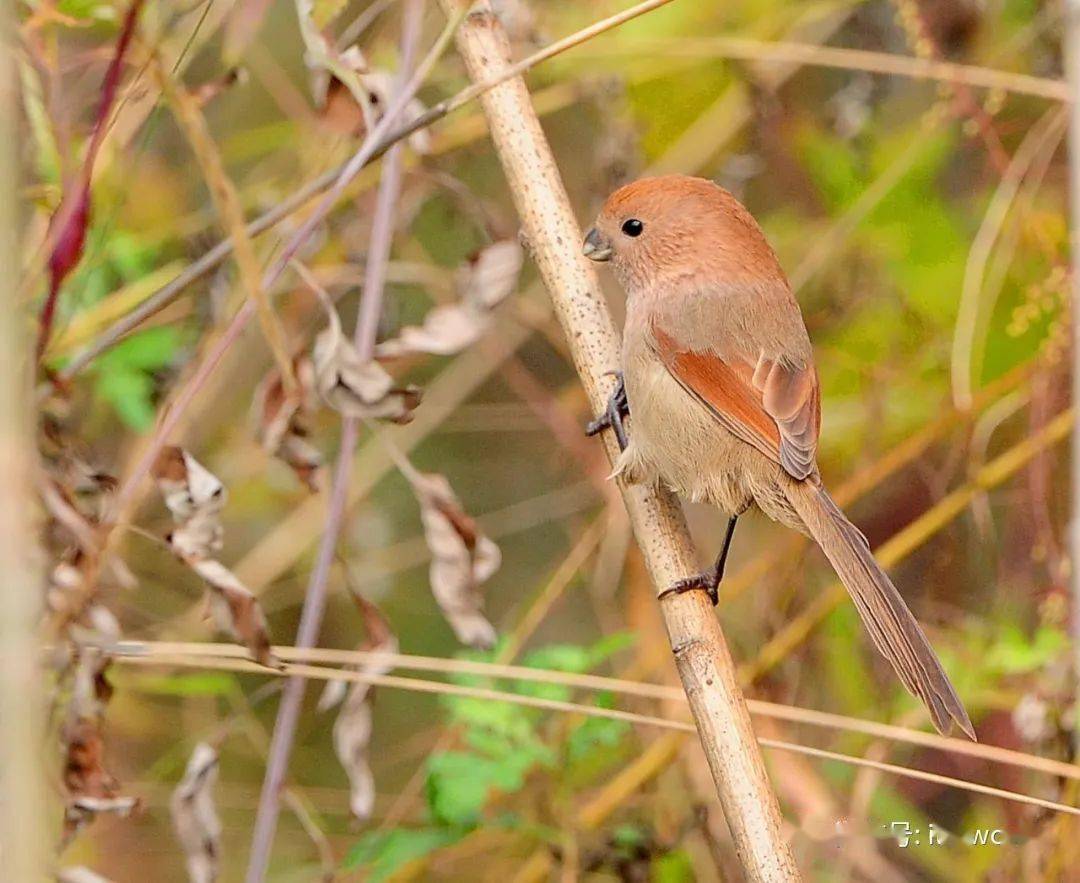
719	376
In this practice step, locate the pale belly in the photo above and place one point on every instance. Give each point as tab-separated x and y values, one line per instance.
675	440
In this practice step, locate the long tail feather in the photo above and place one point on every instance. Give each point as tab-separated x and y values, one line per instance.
891	624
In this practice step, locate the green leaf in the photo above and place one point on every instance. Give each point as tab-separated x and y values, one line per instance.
672	867
382	853
1015	653
459	783
129	392
150	349
596	734
124	373
629	837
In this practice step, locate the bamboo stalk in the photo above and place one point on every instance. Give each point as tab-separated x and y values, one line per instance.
24	834
701	654
1071	48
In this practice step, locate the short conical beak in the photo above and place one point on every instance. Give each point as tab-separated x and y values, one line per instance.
596	247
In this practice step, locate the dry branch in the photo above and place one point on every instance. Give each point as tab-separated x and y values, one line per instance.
1072	70
307	632
23	834
422	685
701	653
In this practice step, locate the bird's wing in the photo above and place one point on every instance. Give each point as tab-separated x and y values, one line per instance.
766	403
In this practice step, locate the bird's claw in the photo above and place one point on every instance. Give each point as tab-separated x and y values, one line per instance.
617	409
706	582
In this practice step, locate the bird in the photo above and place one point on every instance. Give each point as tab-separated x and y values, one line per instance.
718	377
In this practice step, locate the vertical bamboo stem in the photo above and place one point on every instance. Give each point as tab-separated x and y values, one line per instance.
24	835
1071	49
701	653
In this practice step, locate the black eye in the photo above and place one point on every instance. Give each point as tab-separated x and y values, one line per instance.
633	227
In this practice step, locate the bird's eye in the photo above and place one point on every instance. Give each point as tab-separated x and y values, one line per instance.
633	227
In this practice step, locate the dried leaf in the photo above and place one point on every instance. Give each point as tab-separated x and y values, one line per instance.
356	388
327	64
187	486
195	496
486	279
195	817
236	610
379	85
282	420
81	811
462	559
90	788
352	728
446	331
352	735
491	274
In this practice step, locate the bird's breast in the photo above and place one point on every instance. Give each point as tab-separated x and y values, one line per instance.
675	440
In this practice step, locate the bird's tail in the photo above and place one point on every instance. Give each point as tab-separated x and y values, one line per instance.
890	623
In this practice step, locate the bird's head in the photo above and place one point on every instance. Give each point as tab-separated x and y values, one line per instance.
676	228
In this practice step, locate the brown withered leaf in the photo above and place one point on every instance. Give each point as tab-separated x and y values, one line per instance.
379	85
195	497
484	281
236	610
352	728
491	274
282	420
462	559
186	485
356	388
195	817
90	788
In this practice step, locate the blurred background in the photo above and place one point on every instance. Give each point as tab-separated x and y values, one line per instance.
923	224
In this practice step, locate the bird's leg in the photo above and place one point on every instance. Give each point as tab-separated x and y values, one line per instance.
710	580
612	418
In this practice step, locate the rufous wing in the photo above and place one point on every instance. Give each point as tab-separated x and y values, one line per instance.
761	400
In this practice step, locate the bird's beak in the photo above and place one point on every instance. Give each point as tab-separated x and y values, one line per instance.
596	247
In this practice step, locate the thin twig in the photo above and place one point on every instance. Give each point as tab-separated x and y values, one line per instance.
443	689
812	55
972	313
658	692
382	141
227	203
382	229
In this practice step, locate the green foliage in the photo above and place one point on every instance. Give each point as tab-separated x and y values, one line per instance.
381	853
124	375
673	867
502	745
594	741
1013	652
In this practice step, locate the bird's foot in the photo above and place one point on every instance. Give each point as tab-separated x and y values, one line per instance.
706	582
617	410
710	580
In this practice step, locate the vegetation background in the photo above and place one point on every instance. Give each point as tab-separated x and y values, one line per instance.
923	222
